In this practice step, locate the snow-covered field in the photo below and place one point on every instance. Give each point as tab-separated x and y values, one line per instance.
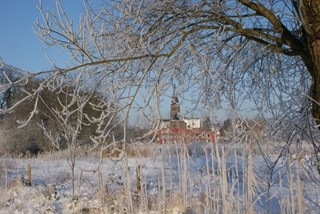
166	179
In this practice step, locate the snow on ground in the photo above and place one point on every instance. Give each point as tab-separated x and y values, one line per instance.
172	180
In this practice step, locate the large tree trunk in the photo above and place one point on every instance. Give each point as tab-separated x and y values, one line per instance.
314	46
315	90
315	95
310	17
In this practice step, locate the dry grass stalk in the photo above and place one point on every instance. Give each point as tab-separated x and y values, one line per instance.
290	183
138	178
300	197
29	175
237	176
163	177
127	185
250	184
220	193
226	206
208	180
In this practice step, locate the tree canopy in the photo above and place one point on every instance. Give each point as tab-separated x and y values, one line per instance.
266	51
218	45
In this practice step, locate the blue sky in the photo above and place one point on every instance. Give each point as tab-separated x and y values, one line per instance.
19	45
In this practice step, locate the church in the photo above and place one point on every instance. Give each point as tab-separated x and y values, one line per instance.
180	129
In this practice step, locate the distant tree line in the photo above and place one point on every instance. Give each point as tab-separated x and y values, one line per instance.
30	138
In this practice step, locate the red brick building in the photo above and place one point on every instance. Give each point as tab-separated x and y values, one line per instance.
180	129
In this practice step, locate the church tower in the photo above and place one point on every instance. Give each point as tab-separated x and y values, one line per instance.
175	107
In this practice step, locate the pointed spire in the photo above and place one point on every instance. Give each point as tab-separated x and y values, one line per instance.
175	99
175	107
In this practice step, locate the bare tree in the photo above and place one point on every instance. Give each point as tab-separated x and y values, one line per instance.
263	50
8	76
78	113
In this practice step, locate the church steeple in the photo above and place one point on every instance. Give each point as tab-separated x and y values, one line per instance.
175	107
175	99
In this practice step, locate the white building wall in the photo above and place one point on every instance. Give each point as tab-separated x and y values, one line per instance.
193	123
164	124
